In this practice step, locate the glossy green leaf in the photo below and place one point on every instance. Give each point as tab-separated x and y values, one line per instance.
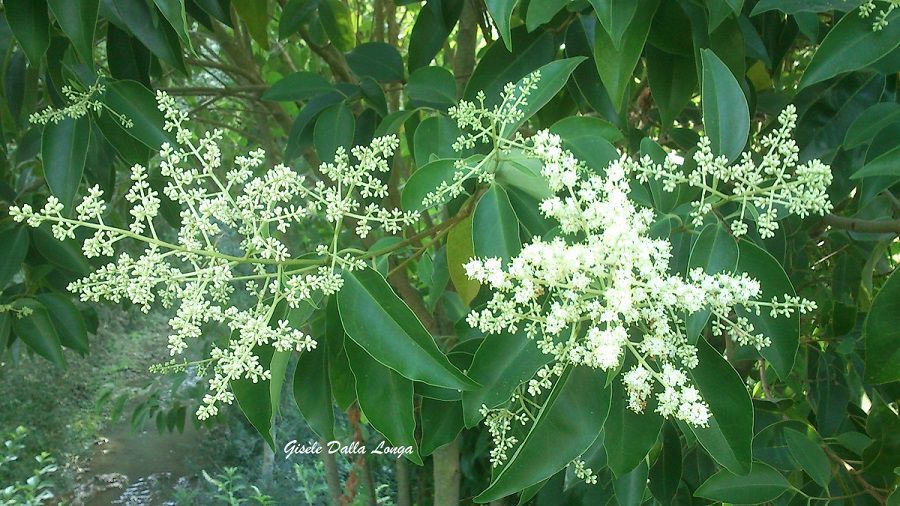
729	436
312	390
135	102
886	164
810	455
665	475
628	436
783	331
334	129
795	6
15	247
502	362
553	77
173	11
30	23
762	484
77	19
385	398
378	320
64	147
64	254
255	15
339	22
542	12
425	180
442	421
501	11
434	139
630	486
672	83
851	45
715	251
141	20
615	17
435	21
498	66
870	122
882	334
255	399
460	250
36	330
298	86
564	427
433	87
590	140
616	62
719	10
726	117
67	320
377	60
495	228
343	388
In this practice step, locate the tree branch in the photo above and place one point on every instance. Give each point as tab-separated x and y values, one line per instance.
866	226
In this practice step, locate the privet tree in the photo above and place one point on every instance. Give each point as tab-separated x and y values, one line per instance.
576	252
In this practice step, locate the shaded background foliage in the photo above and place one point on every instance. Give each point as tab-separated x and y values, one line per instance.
302	77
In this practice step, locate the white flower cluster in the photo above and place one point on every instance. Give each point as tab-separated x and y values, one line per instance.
881	19
80	103
765	190
601	294
197	273
482	125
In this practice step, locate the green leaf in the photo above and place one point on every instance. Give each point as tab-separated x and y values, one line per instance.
851	45
542	12
784	331
566	425
298	86
433	87
726	117
378	320
434	139
499	66
442	421
460	250
630	486
672	82
312	390
138	18
435	21
719	10
64	147
67	320
590	140
810	455
495	228
135	102
553	77
796	6
64	254
729	436
762	484
30	23
334	128
339	23
715	251
15	247
886	164
255	399
294	14
385	398
77	19
615	17
501	12
665	475
628	436
173	11
502	362
377	60
256	17
870	122
342	385
37	331
882	334
616	62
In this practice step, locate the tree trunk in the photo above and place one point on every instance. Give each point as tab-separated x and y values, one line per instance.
404	489
446	474
466	40
331	474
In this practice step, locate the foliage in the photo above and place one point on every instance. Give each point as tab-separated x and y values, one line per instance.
38	487
652	245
